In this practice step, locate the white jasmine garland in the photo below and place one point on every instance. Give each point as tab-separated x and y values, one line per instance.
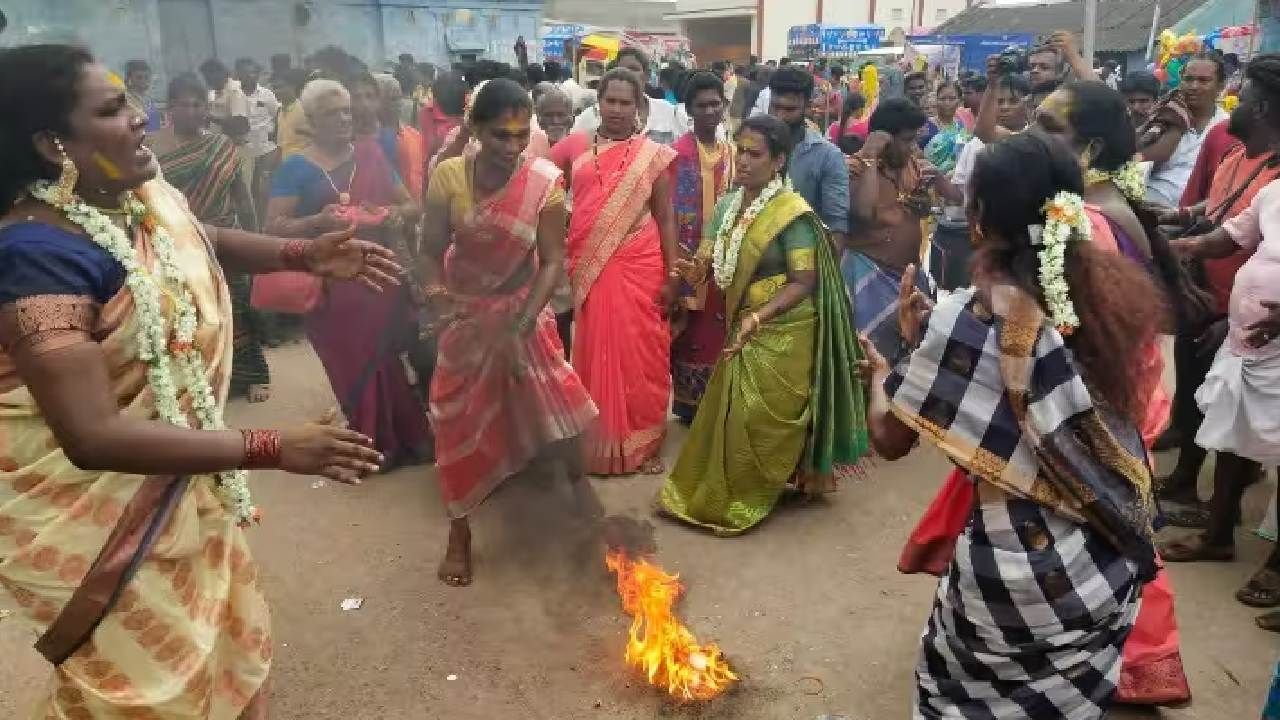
1064	219
729	235
1128	179
164	349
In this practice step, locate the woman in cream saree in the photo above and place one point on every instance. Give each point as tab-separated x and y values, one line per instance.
122	495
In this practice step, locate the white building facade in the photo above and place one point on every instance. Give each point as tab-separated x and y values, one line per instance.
737	29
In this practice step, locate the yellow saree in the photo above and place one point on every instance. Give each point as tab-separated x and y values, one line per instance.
188	636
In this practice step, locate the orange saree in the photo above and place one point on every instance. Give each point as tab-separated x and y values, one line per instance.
622	343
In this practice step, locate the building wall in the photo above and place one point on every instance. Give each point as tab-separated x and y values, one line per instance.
620	14
697	17
374	30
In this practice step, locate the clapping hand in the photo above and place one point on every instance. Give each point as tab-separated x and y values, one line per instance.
341	256
872	363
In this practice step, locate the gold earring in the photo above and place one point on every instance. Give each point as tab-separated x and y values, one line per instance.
64	190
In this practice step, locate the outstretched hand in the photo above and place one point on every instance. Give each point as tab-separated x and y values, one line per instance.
327	448
341	256
913	308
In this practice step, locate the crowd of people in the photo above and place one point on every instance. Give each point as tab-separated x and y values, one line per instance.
501	270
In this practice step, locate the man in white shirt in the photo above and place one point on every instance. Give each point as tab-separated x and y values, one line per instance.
259	149
664	122
228	107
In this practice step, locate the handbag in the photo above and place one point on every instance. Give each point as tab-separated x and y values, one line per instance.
287	291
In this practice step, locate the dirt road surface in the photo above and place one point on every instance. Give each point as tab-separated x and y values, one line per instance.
809	608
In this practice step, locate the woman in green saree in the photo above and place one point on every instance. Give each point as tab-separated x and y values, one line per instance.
783	405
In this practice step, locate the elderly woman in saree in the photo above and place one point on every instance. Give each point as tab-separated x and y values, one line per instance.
622	247
205	167
122	493
1027	382
358	334
782	405
503	394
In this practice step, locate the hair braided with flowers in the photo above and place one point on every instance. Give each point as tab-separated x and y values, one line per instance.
1065	220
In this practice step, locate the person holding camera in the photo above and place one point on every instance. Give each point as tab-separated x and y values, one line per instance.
1172	138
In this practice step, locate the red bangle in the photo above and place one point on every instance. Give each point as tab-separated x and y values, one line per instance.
293	256
261	449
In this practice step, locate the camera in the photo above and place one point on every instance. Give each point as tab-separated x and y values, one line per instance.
1012	60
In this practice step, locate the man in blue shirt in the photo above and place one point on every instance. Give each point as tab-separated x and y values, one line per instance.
817	168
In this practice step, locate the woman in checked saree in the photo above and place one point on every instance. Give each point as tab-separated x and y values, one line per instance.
1028	382
783	404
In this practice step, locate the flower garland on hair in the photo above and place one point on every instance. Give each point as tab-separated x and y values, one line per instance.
164	349
1128	179
1064	218
729	235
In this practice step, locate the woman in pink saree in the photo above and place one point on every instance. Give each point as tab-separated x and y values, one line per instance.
622	245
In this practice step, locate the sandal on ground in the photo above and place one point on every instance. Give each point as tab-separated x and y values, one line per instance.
1195	549
1195	518
1262	590
1270	621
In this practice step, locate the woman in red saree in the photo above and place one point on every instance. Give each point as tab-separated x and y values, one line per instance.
622	245
503	394
358	334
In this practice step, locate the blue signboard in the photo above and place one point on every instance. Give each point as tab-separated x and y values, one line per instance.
800	36
809	41
975	49
554	37
849	41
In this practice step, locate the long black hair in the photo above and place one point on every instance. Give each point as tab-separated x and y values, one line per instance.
1119	306
39	88
1100	115
854	102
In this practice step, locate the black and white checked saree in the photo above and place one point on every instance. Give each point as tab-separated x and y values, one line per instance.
1031	616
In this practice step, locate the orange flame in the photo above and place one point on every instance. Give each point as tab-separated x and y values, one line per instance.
660	645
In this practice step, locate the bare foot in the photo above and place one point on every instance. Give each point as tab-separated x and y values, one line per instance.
259	393
455	568
653	466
